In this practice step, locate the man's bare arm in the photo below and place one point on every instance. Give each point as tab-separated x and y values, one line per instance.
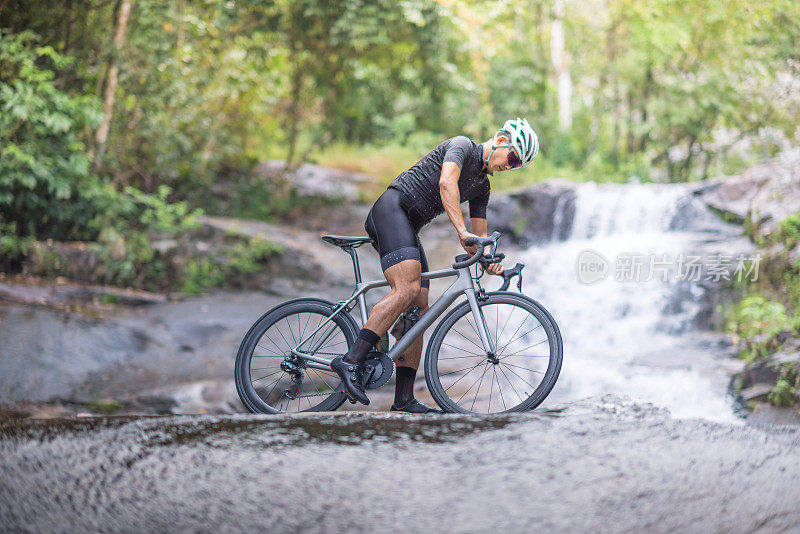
479	227
451	198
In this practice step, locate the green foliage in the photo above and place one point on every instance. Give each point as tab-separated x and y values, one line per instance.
786	392
788	231
200	275
757	321
227	268
44	169
661	90
12	246
756	315
105	406
249	257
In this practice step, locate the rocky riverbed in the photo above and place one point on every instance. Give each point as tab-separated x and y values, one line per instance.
603	464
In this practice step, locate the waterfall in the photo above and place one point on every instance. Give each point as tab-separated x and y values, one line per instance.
628	337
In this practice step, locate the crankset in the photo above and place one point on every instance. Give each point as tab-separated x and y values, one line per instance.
378	369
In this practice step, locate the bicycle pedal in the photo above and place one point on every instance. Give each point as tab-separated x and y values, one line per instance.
349	396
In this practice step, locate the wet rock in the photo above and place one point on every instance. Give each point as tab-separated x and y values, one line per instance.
305	255
203	397
536	214
758	372
59	293
595	463
766	193
316	181
694	215
756	392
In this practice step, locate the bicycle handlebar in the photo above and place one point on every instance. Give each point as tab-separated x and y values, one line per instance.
482	243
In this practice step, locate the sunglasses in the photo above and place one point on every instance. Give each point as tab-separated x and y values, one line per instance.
513	159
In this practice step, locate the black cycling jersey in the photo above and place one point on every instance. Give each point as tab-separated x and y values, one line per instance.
422	198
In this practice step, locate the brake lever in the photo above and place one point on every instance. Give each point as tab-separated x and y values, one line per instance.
508	274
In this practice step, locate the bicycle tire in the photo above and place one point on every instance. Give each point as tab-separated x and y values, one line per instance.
252	400
433	364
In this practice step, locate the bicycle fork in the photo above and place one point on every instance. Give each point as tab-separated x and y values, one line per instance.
480	322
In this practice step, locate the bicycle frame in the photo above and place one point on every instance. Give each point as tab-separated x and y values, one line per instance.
463	284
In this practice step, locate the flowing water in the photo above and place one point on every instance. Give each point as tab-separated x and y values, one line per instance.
625	335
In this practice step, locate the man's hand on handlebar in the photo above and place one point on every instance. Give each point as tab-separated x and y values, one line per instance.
494	268
471	249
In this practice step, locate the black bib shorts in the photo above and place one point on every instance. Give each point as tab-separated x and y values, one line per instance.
393	234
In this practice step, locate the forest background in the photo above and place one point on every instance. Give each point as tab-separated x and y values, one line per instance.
122	120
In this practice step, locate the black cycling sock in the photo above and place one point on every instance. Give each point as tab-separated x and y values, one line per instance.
364	342
404	386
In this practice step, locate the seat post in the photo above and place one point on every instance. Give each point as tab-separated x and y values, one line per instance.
356	266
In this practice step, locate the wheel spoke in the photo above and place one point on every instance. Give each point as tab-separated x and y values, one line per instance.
515	333
273	389
474	328
303	333
463	350
469	389
281	333
461	357
281	352
464	369
491	391
479	388
523	335
526	368
496	324
322	378
500	389
265	376
515	374
500	334
462	376
525	348
511	384
465	337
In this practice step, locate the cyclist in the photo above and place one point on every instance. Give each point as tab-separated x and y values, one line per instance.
453	172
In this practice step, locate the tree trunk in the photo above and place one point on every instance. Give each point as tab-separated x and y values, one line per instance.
559	56
648	83
294	111
112	80
613	81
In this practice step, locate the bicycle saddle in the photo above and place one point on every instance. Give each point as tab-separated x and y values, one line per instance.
346	241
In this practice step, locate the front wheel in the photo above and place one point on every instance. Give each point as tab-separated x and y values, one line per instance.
462	378
270	379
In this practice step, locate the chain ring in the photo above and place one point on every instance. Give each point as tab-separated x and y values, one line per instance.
384	368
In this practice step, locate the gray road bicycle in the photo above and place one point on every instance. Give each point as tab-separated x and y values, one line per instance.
497	351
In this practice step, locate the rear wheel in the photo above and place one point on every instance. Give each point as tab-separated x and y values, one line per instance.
528	352
269	379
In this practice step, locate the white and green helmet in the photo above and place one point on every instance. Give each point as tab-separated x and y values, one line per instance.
523	139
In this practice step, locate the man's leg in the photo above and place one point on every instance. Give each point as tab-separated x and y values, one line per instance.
396	241
407	368
404	280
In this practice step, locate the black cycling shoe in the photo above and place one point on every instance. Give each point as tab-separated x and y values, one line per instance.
352	375
415	406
